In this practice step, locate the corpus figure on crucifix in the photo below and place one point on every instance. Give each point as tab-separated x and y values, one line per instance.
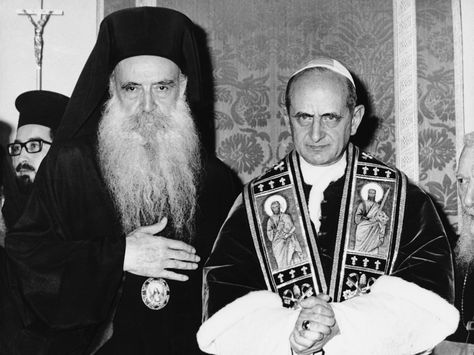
39	25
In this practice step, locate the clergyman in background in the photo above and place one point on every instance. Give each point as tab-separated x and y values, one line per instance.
462	341
40	112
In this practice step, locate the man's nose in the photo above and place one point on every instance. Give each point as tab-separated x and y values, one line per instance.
316	130
23	153
469	196
149	103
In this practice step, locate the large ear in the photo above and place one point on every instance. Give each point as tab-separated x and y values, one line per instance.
357	118
286	117
183	83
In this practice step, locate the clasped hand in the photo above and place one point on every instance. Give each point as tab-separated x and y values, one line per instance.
315	326
152	256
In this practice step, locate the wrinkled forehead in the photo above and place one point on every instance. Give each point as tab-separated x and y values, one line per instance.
147	65
466	161
320	76
314	80
30	131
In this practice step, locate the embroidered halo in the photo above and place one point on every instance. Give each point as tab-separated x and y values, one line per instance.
268	204
364	191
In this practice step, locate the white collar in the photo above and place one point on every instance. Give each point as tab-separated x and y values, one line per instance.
322	174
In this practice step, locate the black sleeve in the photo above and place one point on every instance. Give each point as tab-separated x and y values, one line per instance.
424	256
233	268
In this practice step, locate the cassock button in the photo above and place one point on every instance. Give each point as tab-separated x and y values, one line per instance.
155	293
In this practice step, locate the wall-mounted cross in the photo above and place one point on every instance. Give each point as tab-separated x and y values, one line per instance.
39	22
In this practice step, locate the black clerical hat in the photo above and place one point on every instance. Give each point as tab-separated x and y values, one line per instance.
127	33
154	31
41	107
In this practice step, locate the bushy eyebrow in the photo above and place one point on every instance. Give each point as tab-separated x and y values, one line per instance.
302	114
329	114
167	82
333	114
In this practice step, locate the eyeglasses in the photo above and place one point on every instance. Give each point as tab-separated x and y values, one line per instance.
31	146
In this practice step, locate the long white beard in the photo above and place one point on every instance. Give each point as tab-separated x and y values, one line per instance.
465	245
151	165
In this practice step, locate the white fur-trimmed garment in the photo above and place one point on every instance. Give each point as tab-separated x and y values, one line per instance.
397	317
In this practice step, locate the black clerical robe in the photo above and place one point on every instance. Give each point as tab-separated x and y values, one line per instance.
64	270
234	270
465	304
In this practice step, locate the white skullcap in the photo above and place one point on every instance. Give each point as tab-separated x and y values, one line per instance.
328	63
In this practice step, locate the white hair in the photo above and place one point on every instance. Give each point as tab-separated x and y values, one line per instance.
151	164
469	140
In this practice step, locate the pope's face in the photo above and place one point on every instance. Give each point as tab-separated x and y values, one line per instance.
147	83
465	177
320	121
26	164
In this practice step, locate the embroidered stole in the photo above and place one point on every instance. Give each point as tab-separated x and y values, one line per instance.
368	231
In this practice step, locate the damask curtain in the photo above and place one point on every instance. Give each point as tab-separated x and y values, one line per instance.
254	45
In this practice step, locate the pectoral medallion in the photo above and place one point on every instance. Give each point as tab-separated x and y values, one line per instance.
155	293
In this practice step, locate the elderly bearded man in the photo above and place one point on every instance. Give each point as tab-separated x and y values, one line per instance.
462	342
101	261
329	306
464	250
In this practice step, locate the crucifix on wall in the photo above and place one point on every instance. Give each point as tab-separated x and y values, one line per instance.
41	17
